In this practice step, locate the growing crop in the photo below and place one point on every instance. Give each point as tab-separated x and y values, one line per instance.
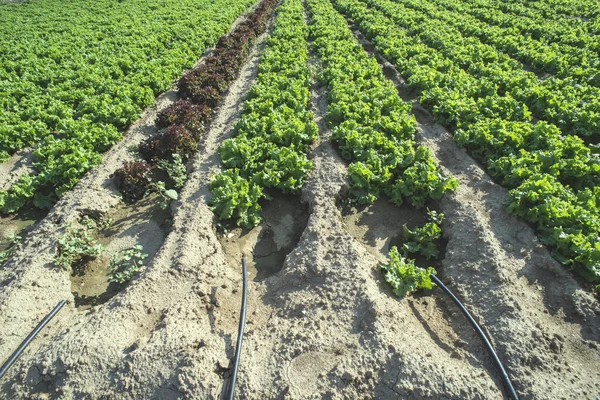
133	179
14	242
166	195
69	89
125	263
271	139
176	170
193	117
74	245
423	240
370	123
176	139
404	276
186	120
486	97
235	197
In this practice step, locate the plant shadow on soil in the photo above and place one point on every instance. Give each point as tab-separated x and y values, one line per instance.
267	245
378	227
558	297
143	223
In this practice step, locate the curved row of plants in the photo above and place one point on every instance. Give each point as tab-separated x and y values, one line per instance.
538	13
183	126
370	124
184	123
573	55
575	108
275	131
553	178
73	76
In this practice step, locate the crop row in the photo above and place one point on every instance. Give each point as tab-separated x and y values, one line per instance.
370	123
584	10
564	31
184	123
462	96
582	15
580	12
275	131
68	88
575	108
576	57
554	179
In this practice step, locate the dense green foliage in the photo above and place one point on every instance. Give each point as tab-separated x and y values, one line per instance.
404	276
424	239
401	272
184	122
573	106
370	123
271	139
74	75
482	92
567	47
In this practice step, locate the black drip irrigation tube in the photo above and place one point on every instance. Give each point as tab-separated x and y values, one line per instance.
238	347
510	390
29	338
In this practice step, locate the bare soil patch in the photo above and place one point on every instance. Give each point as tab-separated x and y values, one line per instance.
144	223
266	246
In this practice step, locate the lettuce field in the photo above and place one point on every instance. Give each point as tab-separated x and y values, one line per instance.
348	149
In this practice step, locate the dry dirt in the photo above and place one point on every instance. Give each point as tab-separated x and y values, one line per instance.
321	323
10	170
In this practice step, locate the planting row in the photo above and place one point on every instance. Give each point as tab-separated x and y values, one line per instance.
275	131
582	10
535	25
370	124
185	122
463	96
538	11
374	130
72	76
554	179
575	108
576	57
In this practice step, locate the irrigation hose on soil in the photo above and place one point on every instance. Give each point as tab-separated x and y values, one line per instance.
510	390
30	337
238	347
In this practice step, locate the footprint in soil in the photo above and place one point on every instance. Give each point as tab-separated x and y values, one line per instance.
267	245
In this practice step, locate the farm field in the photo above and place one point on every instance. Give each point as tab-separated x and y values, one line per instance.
347	149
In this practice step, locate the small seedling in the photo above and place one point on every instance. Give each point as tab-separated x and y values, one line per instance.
125	263
167	195
76	243
14	242
175	169
105	223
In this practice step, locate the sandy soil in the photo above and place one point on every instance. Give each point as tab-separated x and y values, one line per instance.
20	163
322	323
